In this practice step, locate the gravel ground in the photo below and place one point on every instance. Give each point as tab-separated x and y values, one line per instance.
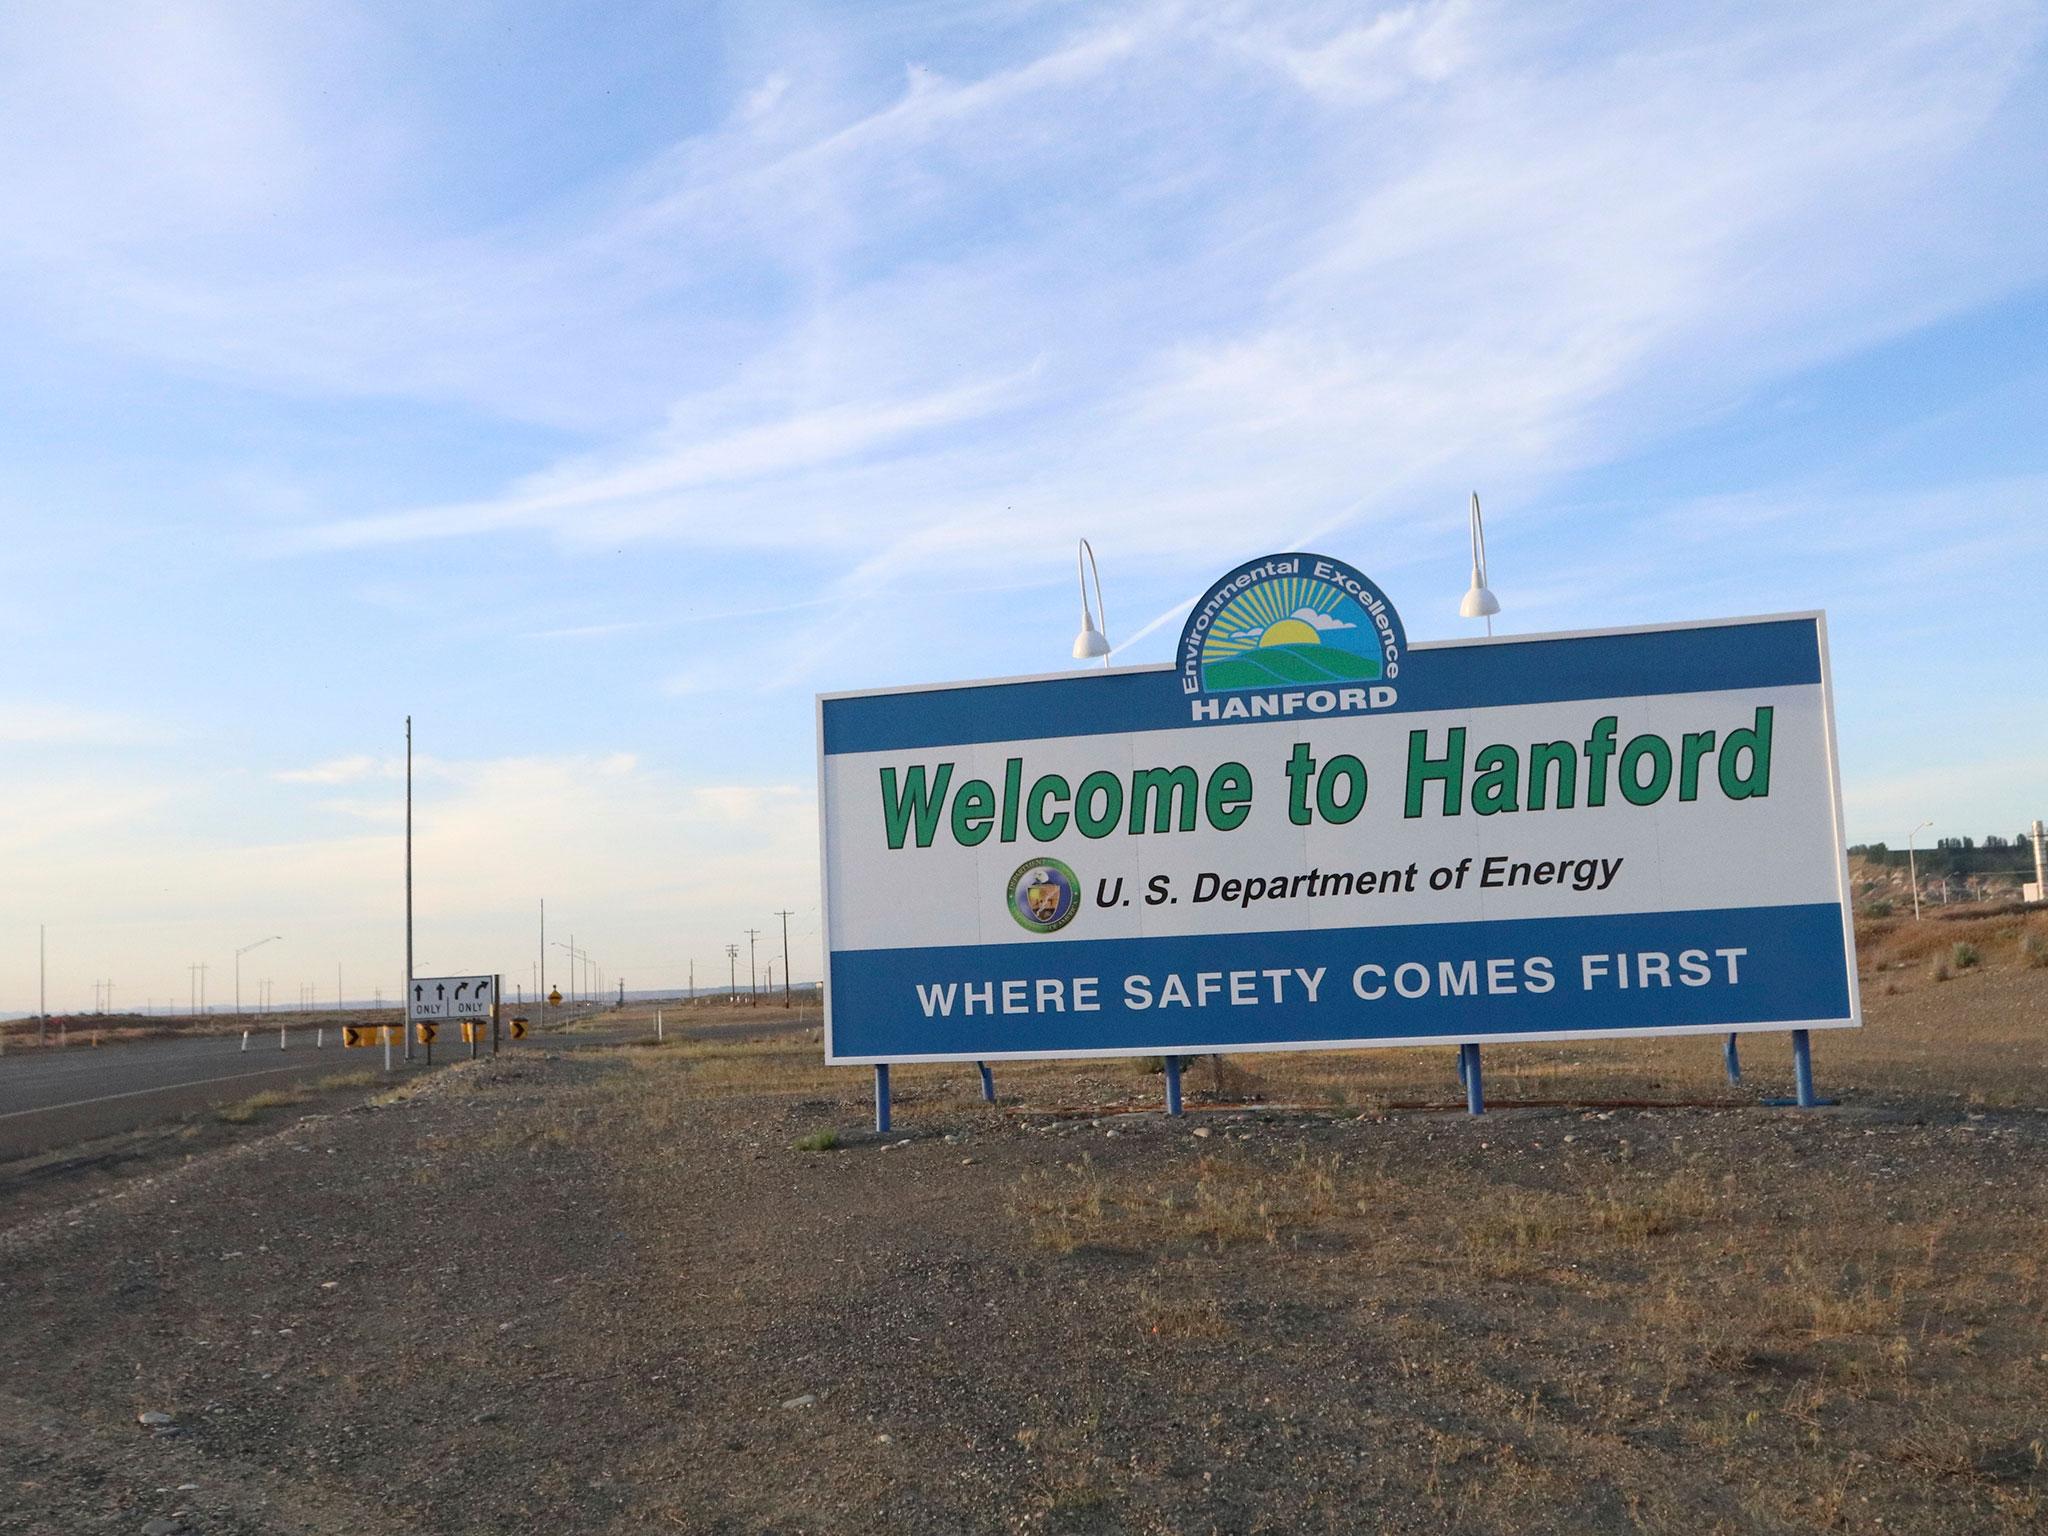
603	1291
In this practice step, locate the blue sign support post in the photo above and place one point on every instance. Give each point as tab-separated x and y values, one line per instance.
1173	1085
1802	1068
988	1082
1731	1057
1468	1068
881	1099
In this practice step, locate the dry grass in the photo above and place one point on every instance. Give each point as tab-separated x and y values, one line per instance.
334	1082
243	1111
1219	1202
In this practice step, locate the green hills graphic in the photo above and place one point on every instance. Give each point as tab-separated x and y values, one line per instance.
1274	665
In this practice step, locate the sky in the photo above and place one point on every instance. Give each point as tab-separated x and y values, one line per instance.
596	384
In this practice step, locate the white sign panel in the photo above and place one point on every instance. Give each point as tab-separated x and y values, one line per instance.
453	997
1307	832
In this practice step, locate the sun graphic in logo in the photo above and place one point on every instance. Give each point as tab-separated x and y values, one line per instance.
1290	630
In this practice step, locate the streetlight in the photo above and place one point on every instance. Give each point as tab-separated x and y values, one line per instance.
575	955
238	964
1913	866
1479	601
1091	642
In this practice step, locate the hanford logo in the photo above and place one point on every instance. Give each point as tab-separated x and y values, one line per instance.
1290	634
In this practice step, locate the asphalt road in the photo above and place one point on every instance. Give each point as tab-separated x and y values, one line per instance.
54	1098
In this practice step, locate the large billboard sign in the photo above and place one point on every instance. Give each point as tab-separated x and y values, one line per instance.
1305	832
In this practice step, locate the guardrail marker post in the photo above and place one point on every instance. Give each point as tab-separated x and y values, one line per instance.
1173	1085
245	1039
1475	1092
1802	1068
988	1082
882	1099
319	1036
1732	1059
280	1037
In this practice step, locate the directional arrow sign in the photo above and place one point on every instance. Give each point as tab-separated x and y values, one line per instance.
451	997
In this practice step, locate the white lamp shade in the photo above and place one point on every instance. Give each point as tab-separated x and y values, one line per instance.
1479	603
1091	642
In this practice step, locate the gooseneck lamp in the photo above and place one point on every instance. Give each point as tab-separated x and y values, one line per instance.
1091	642
1479	603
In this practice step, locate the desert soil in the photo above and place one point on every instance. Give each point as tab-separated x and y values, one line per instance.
605	1290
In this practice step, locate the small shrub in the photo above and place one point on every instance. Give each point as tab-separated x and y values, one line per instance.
1879	908
1963	956
1940	970
817	1141
2034	951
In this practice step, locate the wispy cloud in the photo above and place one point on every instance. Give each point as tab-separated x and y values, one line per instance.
29	723
339	770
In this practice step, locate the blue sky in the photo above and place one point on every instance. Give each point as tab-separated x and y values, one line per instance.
597	383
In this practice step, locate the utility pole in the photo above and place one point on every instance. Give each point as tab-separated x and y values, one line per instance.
203	967
732	975
785	957
405	997
753	986
43	979
1913	866
540	972
192	990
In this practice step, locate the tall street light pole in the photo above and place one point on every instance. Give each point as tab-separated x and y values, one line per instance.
1913	866
238	964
